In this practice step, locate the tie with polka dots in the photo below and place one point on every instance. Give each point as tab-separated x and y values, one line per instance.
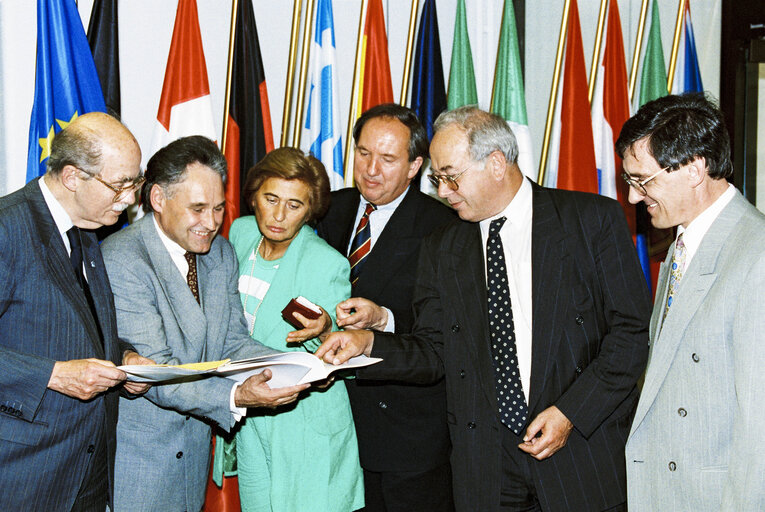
510	399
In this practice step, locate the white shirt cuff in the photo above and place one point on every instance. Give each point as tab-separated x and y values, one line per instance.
237	412
390	326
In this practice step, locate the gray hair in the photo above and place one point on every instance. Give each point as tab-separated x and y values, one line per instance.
77	146
486	132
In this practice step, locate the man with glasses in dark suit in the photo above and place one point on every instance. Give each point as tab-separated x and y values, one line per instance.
535	311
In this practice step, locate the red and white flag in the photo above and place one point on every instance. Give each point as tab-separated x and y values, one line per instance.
185	107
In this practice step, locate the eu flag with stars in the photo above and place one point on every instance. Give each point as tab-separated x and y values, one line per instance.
66	81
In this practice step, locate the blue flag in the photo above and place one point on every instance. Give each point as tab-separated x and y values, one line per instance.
322	134
687	72
66	83
428	92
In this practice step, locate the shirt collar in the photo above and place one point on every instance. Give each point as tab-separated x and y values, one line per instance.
57	211
388	206
698	227
518	211
173	248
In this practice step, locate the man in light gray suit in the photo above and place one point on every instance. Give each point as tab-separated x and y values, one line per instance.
696	441
177	300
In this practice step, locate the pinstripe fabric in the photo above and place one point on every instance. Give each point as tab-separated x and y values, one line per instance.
696	442
44	317
589	346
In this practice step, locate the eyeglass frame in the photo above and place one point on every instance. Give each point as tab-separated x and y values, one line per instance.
450	180
639	185
135	184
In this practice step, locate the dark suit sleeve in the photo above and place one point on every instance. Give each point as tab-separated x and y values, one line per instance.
417	357
612	375
23	376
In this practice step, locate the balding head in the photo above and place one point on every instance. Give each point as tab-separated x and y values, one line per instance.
83	142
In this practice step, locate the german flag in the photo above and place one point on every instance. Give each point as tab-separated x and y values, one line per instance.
249	136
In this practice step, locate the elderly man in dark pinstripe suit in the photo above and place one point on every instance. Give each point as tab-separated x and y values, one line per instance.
535	311
58	337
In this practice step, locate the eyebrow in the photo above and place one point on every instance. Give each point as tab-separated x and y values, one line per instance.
271	194
445	169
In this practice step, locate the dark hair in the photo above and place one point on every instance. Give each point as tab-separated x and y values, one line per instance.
418	137
78	146
168	165
291	164
679	129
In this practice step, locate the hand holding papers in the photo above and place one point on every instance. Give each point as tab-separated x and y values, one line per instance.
287	369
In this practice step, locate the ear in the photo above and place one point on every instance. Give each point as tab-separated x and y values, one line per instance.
69	176
414	167
497	164
157	198
697	171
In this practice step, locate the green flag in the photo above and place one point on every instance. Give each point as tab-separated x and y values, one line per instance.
653	78
462	90
508	99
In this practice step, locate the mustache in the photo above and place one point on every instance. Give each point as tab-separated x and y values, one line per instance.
119	207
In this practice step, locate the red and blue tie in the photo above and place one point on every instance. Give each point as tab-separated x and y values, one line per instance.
361	245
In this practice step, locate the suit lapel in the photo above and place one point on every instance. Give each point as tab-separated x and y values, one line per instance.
391	250
187	312
547	263
347	222
57	262
694	287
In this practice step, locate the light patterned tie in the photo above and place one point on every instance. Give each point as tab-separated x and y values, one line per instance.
511	401
191	277
676	272
362	243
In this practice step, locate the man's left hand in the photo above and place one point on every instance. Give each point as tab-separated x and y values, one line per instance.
554	428
131	358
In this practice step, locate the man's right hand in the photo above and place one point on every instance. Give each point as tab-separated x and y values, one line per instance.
254	392
84	378
343	345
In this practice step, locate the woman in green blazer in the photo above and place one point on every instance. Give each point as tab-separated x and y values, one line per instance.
304	456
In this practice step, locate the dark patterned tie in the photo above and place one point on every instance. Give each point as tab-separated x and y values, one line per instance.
362	243
191	276
510	399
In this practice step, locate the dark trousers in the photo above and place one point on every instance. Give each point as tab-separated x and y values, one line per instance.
427	491
93	495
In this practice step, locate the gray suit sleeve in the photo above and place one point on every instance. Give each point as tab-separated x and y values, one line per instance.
744	488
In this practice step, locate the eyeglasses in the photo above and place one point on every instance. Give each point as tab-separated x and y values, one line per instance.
639	185
120	191
450	180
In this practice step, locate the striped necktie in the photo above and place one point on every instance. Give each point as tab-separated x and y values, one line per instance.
361	245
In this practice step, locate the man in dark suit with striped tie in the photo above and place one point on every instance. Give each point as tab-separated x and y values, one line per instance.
58	334
535	311
402	432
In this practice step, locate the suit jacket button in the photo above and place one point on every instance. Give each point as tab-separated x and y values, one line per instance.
682	412
456	328
672	466
179	455
3	408
695	357
578	369
462	374
471	425
17	413
91	448
382	405
579	319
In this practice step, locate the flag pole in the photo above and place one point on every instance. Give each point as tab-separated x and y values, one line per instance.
229	71
638	46
296	5
553	92
675	44
409	49
354	95
595	63
496	61
297	130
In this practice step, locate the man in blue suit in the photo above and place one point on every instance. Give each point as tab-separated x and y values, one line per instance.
58	336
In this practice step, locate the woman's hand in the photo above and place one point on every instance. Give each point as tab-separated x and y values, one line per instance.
318	328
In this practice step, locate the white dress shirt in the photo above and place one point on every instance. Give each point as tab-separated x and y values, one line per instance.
516	242
698	227
178	255
378	219
60	217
